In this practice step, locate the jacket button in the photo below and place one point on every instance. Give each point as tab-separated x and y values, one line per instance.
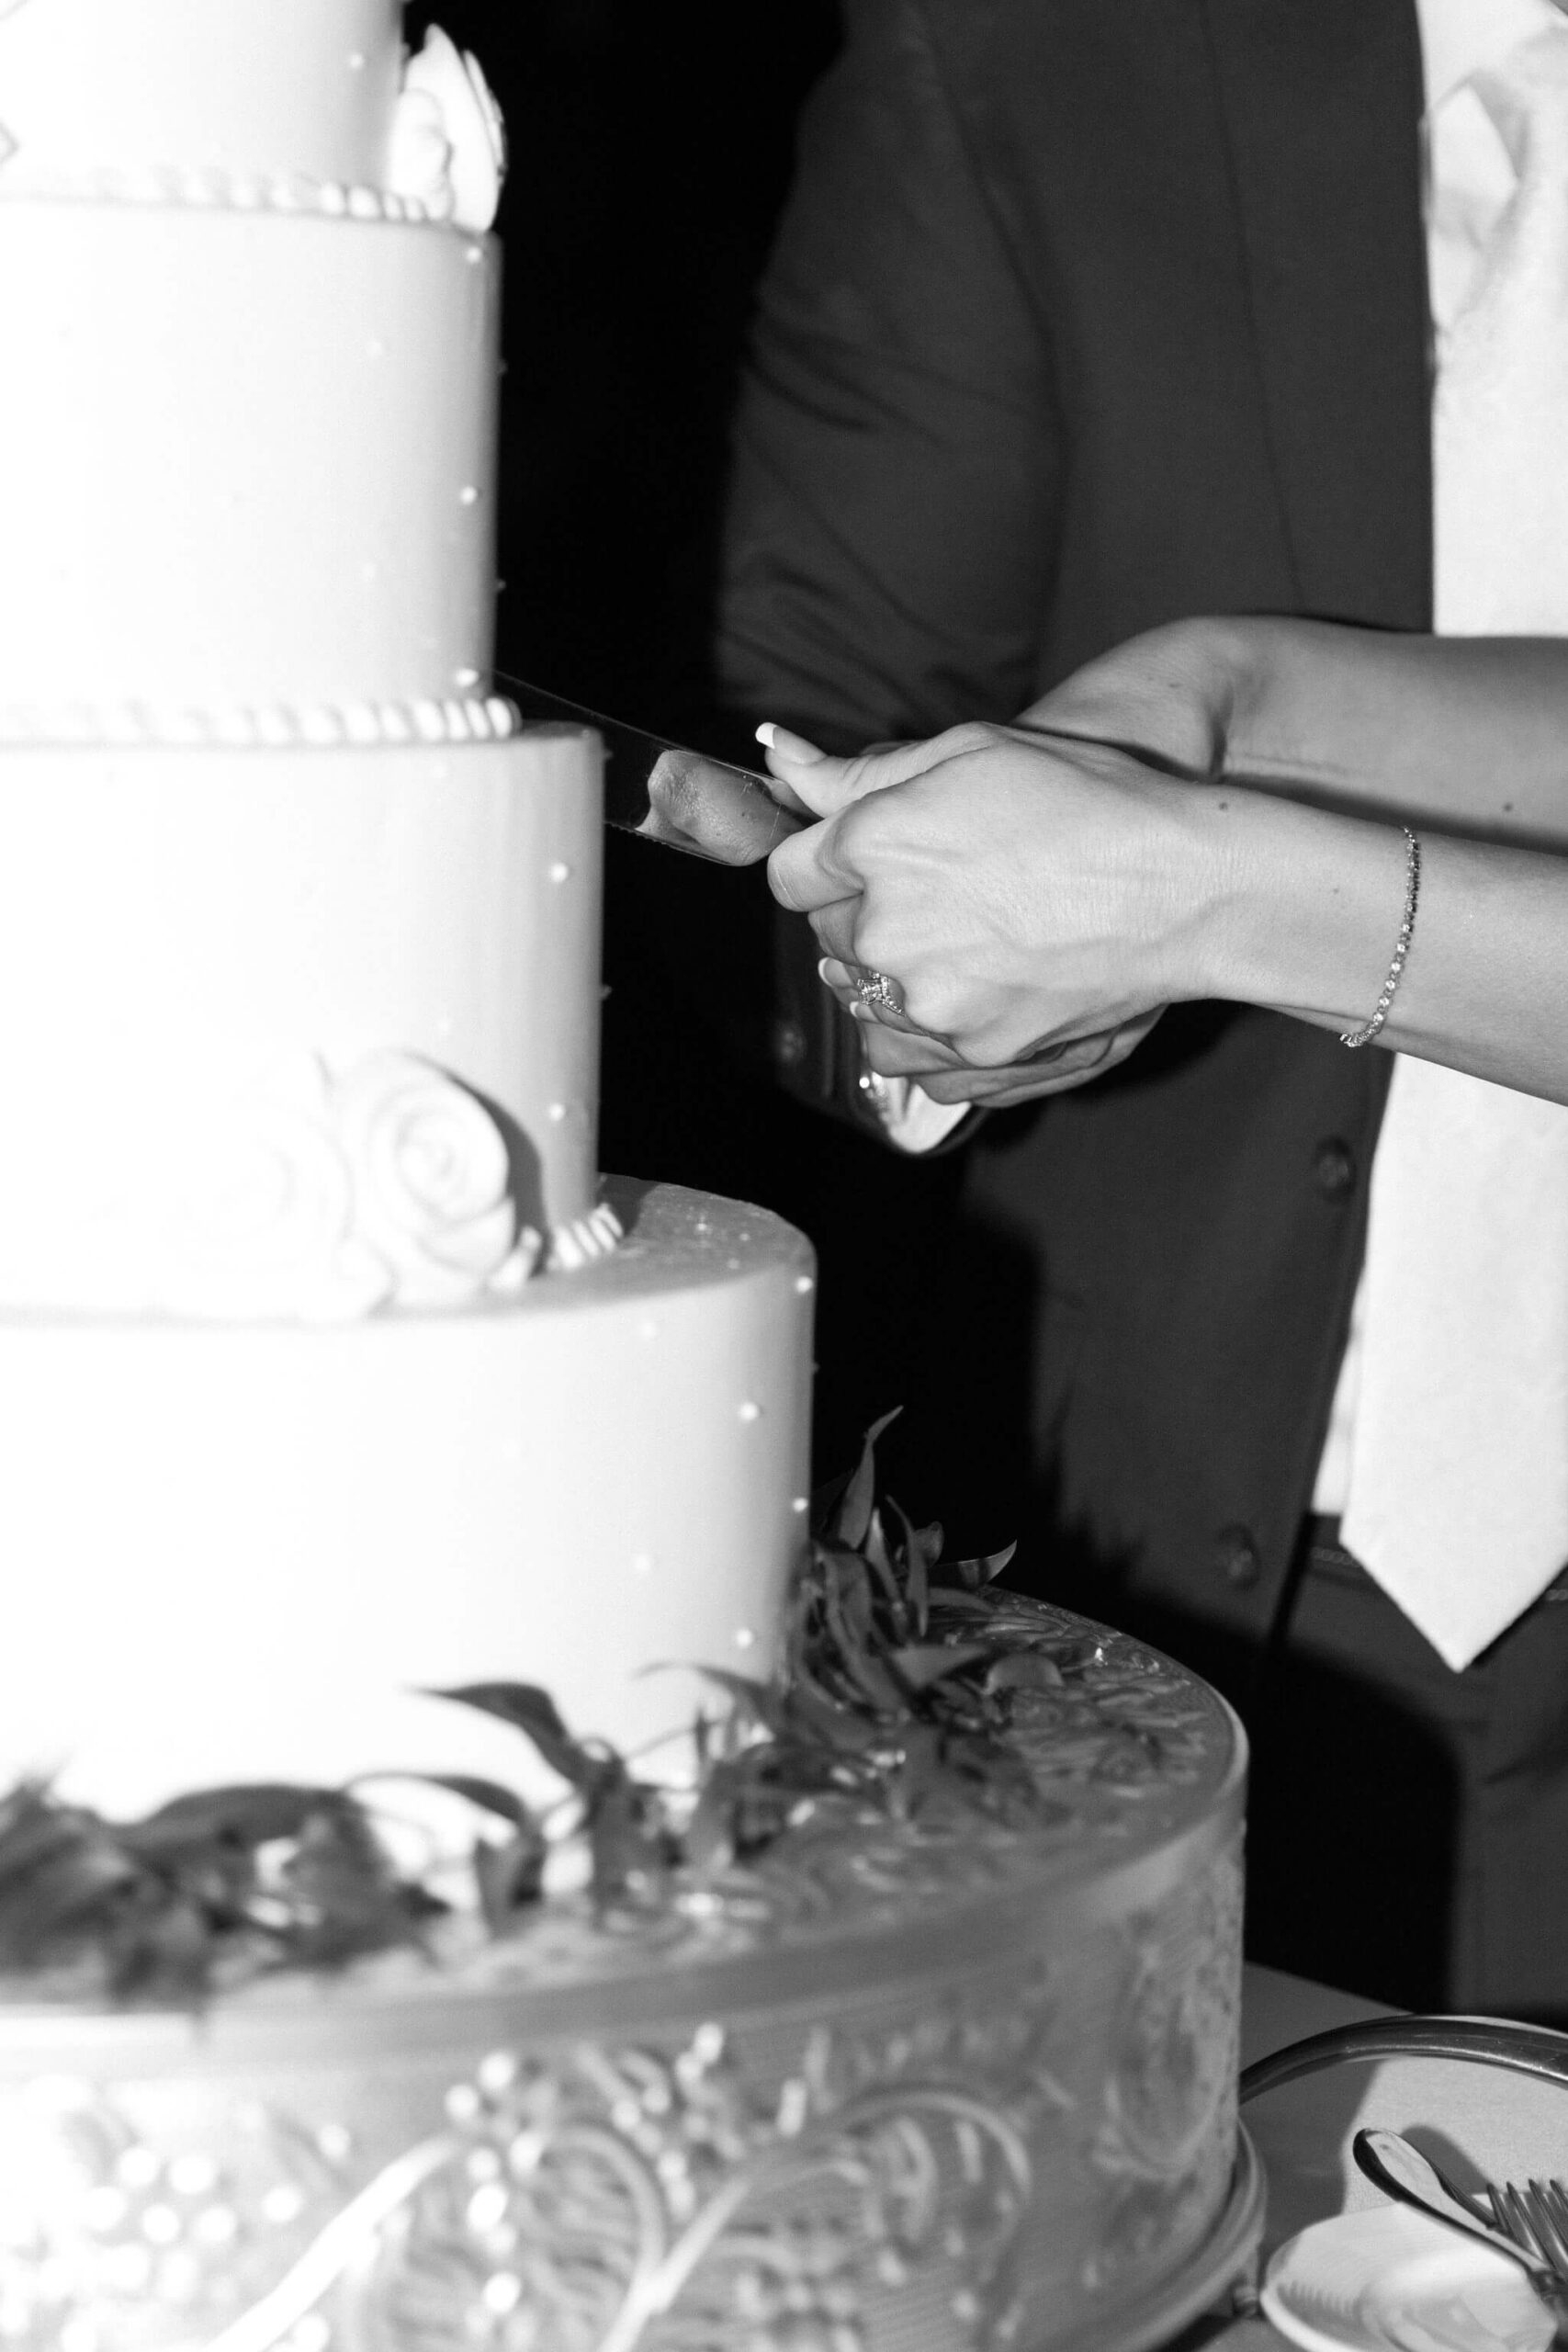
789	1045
1237	1556
1334	1168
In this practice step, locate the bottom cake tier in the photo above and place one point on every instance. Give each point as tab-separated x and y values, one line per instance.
950	2088
247	1553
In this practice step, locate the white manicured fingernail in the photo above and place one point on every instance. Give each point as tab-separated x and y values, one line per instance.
788	746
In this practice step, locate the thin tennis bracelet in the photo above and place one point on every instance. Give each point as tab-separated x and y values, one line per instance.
1368	1029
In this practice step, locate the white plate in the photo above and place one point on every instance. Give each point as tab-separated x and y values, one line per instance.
1390	2277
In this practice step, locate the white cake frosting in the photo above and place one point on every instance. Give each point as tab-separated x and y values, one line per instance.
249	102
249	1550
311	1314
218	924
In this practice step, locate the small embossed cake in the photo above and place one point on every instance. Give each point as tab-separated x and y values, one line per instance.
331	1377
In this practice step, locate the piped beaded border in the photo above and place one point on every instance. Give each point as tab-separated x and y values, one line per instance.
210	187
263	726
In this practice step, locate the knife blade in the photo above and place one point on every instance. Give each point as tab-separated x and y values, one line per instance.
665	792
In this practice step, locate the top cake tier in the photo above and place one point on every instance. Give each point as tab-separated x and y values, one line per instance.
248	465
253	95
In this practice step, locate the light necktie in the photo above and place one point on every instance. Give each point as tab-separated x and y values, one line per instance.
1457	1499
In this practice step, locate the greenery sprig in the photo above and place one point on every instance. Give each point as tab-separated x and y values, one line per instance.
897	1687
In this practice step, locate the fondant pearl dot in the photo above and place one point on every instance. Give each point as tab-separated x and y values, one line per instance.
462	2103
487	2207
160	2226
464	678
497	2072
474	253
561	871
804	1285
750	1412
467	495
556	1114
801	1505
216	2225
357	61
745	1639
335	2142
138	2167
283	2204
332	198
502	2293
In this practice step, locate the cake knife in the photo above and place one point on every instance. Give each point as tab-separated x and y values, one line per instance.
665	792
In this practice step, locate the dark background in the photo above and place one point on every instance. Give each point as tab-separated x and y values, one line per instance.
651	148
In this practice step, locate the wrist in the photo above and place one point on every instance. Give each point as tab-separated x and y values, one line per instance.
1304	907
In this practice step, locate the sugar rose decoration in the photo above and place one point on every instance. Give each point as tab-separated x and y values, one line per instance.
432	1180
448	146
251	1215
317	1199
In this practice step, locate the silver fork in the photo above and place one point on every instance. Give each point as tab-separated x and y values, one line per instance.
1536	2216
1401	2169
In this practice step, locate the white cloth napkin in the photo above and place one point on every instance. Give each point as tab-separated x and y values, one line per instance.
1457	1499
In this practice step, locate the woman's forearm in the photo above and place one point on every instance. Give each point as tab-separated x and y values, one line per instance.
1309	909
1468	733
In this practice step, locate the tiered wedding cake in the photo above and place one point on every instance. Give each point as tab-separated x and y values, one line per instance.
328	1374
321	1376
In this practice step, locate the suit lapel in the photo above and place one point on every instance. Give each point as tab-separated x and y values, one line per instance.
1321	101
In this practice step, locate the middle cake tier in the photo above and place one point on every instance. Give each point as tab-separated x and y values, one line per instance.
233	975
248	468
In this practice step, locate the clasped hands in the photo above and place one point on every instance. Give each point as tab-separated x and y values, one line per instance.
1036	893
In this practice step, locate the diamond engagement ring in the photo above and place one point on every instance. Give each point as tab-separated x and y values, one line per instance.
876	988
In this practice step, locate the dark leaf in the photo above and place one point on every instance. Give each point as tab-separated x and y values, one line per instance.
534	1712
975	1574
758	1701
922	1662
628	1856
922	1549
1024	1670
510	1877
851	1517
86	1880
165	1955
490	1796
247	1815
37	1835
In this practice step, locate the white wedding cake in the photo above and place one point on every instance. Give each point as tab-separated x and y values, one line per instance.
901	2014
324	1377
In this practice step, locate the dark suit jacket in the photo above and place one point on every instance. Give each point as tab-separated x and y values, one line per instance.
1085	317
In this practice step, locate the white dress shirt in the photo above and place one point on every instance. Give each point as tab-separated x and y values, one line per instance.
1470	178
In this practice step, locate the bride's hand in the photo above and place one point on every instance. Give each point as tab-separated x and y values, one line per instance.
1024	895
